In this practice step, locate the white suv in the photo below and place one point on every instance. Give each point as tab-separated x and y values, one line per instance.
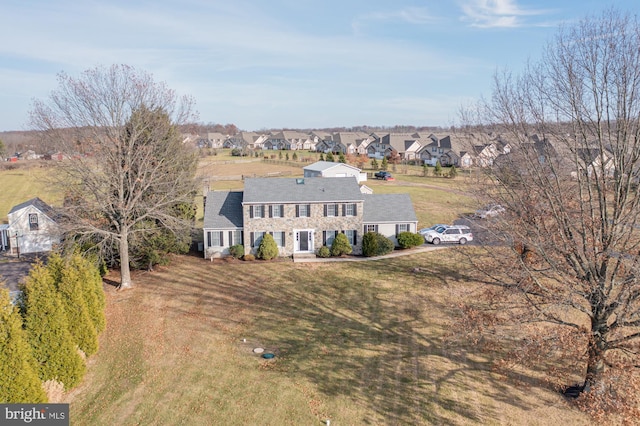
449	234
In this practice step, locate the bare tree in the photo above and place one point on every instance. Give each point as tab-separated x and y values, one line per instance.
564	258
134	170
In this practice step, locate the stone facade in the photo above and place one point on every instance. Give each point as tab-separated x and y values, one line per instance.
291	225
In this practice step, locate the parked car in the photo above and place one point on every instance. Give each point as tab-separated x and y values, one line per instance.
382	174
460	234
491	210
424	231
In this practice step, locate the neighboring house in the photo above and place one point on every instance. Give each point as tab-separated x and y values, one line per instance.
448	151
245	140
289	139
354	143
302	215
212	140
32	227
485	154
332	169
593	161
405	144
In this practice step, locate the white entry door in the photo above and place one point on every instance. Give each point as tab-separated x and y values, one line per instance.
304	240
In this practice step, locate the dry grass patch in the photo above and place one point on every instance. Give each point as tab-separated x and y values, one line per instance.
23	183
360	343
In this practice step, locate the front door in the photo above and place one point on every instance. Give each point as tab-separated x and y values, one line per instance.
304	241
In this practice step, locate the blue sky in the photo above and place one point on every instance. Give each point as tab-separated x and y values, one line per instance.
285	63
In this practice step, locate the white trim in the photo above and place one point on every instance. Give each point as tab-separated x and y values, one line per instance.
310	233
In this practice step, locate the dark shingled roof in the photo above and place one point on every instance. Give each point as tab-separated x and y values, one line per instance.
37	203
379	208
223	210
301	190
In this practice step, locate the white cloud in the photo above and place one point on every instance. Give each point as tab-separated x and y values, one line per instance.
498	13
411	15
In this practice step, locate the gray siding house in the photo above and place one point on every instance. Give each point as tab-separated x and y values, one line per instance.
302	215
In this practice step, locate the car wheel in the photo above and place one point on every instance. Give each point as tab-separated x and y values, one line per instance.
462	241
435	241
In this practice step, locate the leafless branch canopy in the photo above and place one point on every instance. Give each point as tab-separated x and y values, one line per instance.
568	249
125	165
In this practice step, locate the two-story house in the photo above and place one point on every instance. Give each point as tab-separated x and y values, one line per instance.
302	215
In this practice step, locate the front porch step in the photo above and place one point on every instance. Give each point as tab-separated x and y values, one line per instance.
299	256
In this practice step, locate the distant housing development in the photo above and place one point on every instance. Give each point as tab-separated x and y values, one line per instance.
457	150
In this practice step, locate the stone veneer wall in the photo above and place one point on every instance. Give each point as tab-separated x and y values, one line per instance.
317	221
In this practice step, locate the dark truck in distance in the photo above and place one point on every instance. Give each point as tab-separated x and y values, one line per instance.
382	174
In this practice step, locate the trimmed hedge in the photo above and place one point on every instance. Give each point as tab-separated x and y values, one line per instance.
341	245
267	249
409	239
323	252
375	244
236	251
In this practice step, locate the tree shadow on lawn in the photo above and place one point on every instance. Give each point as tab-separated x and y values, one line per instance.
362	336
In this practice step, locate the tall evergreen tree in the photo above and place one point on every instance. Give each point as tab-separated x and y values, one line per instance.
19	382
68	283
47	330
92	290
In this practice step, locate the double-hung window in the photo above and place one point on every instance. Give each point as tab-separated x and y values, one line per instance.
33	222
278	237
276	210
235	237
256	211
402	227
303	210
214	238
256	238
371	228
331	210
328	237
349	209
352	235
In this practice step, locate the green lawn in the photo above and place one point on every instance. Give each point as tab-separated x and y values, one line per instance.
22	184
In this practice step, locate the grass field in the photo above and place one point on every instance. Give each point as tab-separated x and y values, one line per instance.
22	184
357	343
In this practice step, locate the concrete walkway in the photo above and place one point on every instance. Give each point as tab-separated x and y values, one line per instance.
396	253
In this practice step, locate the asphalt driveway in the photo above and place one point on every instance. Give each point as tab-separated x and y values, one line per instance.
14	270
